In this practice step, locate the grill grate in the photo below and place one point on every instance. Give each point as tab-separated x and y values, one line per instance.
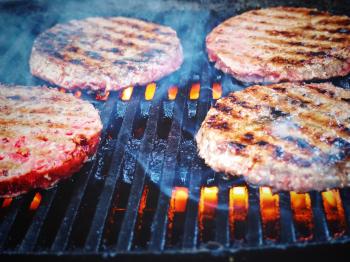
146	191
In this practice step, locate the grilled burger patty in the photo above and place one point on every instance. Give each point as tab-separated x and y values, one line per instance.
45	136
105	53
288	136
282	44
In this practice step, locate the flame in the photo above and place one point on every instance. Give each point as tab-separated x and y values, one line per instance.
77	94
238	204
150	90
208	201
172	92
179	199
302	214
217	90
143	201
270	214
35	202
62	90
194	92
7	202
102	96
334	212
126	93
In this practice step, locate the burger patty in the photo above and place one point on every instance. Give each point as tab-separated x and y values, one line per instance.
45	136
287	136
282	44
105	53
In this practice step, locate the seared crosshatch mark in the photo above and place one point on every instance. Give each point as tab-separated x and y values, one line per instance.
95	52
279	135
279	44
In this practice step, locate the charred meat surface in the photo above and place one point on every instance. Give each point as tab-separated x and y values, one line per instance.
45	136
105	53
282	44
288	136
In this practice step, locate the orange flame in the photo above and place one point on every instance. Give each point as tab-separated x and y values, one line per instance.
62	90
35	202
179	199
334	212
270	214
102	96
150	90
194	92
217	90
126	93
302	214
143	201
238	211
208	201
238	203
77	94
172	92
7	202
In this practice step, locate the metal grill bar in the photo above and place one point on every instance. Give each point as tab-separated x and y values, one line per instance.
7	223
321	232
62	237
126	233
287	228
99	181
168	172
191	231
222	224
254	234
31	237
96	230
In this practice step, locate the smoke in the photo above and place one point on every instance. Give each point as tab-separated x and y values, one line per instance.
21	22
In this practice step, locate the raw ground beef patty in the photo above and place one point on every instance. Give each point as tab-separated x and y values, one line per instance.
45	136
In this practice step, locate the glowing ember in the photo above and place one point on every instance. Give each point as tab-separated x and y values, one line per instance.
238	203
270	214
217	90
35	202
206	217
102	96
208	201
126	93
7	202
334	212
238	211
302	215
194	92
176	215
150	90
172	92
77	94
178	200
